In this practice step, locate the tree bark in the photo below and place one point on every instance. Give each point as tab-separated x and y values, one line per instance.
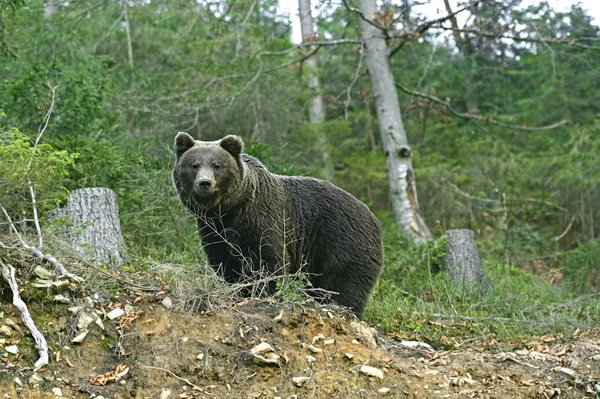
317	108
403	190
466	50
462	260
95	231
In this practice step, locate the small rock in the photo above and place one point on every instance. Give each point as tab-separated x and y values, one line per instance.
264	354
123	373
314	349
12	349
79	339
279	317
200	356
57	392
165	393
99	397
299	381
35	380
349	356
364	333
329	341
42	273
2	341
311	359
84	320
318	338
6	331
75	309
18	381
415	345
88	303
12	324
167	302
383	391
42	284
371	371
61	285
355	342
99	323
115	313
129	309
331	316
61	299
552	393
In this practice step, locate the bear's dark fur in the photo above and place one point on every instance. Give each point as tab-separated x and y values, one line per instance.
250	219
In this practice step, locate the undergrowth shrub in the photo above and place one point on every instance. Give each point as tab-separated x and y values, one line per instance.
21	163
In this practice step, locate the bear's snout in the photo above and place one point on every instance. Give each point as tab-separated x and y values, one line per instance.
204	183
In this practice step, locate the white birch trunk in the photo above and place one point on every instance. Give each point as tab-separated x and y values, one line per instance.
317	108
403	190
95	231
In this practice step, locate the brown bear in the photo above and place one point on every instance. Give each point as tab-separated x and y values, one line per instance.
251	220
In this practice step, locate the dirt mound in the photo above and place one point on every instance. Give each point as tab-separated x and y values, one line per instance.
261	349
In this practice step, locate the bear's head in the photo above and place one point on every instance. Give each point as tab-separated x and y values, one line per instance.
209	173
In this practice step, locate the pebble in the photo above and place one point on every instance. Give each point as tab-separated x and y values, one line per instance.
167	302
79	339
371	371
57	392
299	381
314	349
115	313
6	331
311	359
12	349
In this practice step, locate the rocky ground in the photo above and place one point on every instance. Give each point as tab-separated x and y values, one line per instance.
129	343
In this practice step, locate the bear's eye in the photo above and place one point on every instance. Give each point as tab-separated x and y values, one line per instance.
217	167
195	166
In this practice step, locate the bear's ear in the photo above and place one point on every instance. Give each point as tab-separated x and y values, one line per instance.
183	142
233	145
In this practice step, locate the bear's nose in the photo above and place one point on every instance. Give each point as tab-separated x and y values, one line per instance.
204	183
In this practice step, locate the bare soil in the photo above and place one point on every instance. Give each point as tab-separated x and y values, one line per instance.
153	352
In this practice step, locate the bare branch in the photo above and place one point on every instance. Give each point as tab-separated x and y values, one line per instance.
407	36
500	35
38	252
354	79
482	118
8	273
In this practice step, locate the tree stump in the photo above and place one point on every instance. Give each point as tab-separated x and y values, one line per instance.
95	230
462	260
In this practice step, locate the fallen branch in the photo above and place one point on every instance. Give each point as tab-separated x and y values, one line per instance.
476	117
8	273
172	374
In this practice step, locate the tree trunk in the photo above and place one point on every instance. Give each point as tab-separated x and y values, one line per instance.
50	7
317	108
462	260
95	231
403	191
466	50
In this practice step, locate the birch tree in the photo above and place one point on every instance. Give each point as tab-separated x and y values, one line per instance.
405	204
317	108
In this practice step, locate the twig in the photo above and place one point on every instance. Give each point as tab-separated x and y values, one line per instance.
566	230
172	374
476	117
38	252
8	273
354	79
41	131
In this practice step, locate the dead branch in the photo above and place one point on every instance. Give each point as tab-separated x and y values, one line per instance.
172	374
499	35
482	118
38	252
8	273
41	131
405	37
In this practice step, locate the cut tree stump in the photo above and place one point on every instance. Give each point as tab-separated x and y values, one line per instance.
95	230
462	260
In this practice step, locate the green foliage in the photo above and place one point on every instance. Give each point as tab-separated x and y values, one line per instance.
22	163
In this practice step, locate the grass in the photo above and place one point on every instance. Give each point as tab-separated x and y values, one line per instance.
412	300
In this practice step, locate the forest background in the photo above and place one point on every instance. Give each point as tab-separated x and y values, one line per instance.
118	80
